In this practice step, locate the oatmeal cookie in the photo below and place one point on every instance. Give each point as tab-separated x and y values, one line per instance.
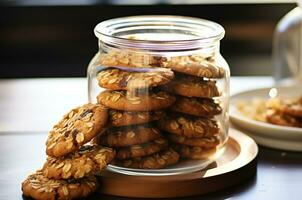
156	161
195	65
190	86
38	186
117	79
142	149
195	153
280	118
121	100
189	126
127	136
85	162
196	106
126	118
205	142
76	128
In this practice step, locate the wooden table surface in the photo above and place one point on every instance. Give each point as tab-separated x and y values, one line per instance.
29	107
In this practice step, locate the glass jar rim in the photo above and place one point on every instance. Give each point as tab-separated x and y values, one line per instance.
202	32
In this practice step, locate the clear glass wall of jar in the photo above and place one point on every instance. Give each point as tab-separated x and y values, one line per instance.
167	89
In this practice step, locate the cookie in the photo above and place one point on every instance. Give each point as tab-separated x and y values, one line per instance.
189	126
87	161
121	100
117	79
294	108
280	118
156	161
38	186
126	118
195	153
132	135
76	128
142	149
196	106
190	86
205	142
132	59
195	65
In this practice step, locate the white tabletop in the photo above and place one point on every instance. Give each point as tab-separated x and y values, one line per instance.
36	104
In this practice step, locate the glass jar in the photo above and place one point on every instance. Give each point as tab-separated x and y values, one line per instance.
167	89
287	48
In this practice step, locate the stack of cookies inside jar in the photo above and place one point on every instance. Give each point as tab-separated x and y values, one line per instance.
162	109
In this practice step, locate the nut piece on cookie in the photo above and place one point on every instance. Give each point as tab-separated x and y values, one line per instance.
189	126
126	118
87	161
122	100
38	186
155	161
117	79
76	128
127	136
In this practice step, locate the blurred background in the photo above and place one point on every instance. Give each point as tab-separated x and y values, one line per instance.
54	38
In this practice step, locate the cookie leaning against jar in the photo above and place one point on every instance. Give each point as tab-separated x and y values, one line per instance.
76	128
87	161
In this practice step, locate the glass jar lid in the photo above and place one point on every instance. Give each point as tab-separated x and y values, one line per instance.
159	32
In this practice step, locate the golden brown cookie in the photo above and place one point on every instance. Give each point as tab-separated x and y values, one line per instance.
205	142
196	106
126	118
125	58
188	126
128	136
87	161
38	186
121	100
156	161
76	128
294	108
190	86
196	153
280	118
117	79
142	149
195	65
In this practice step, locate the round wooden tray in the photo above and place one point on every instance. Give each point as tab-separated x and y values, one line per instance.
237	163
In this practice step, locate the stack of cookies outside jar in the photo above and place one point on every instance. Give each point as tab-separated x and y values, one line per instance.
167	89
136	102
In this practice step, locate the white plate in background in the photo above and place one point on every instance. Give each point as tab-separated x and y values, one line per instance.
266	134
